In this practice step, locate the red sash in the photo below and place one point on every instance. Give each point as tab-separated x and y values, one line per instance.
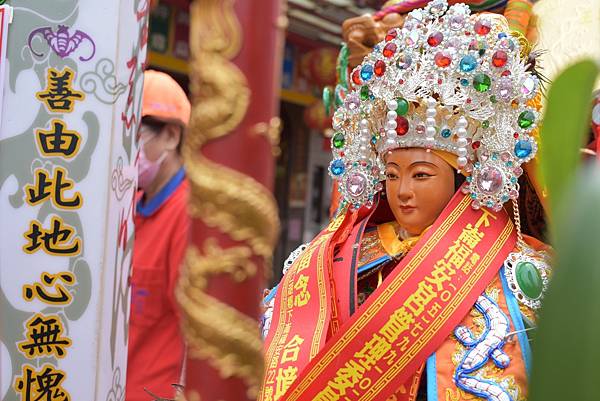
404	321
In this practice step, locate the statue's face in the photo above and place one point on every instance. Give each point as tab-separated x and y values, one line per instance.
419	184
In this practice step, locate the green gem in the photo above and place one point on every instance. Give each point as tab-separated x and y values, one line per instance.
485	124
529	280
402	108
364	92
338	140
493	99
481	82
526	119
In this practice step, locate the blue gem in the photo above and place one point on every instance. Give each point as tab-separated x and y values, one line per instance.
501	35
464	82
513	180
490	203
374	140
473	195
446	133
468	63
523	149
337	167
477	164
469	179
509	164
505	198
494	156
366	73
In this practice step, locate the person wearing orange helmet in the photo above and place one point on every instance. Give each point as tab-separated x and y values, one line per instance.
156	346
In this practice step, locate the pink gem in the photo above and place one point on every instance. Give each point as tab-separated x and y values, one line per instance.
356	184
490	180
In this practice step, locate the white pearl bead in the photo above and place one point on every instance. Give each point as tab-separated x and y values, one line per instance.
461	161
392	104
392	115
461	152
461	132
391	133
461	142
431	112
390	125
462	122
430	121
364	123
431	103
430	132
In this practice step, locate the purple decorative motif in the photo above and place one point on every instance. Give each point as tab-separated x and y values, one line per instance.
61	41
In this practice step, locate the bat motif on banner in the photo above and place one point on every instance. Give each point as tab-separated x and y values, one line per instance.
61	41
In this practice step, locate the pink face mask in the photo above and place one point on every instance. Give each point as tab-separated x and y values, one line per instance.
147	169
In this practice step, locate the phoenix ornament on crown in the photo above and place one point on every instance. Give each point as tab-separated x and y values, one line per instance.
447	80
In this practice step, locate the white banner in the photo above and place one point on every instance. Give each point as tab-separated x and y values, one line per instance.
72	97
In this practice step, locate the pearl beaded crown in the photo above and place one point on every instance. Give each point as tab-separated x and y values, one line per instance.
447	80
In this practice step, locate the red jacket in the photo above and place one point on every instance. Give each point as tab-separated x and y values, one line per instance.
156	347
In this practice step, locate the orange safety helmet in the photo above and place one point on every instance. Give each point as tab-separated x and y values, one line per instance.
164	99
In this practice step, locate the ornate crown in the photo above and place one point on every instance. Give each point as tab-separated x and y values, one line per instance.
447	80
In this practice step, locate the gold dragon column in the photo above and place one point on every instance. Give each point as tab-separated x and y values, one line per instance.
234	81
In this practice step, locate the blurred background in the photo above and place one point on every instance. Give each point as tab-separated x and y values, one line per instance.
312	40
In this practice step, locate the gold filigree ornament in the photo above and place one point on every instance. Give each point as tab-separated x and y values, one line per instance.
222	198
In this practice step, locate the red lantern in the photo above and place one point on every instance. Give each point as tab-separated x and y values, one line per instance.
318	66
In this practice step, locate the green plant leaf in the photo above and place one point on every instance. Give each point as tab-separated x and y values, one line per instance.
566	350
565	123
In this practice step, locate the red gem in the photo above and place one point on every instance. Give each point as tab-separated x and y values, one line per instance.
389	50
505	73
400	81
440	81
435	39
516	135
469	100
476	145
392	34
483	27
467	33
442	60
356	77
379	68
499	58
401	125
